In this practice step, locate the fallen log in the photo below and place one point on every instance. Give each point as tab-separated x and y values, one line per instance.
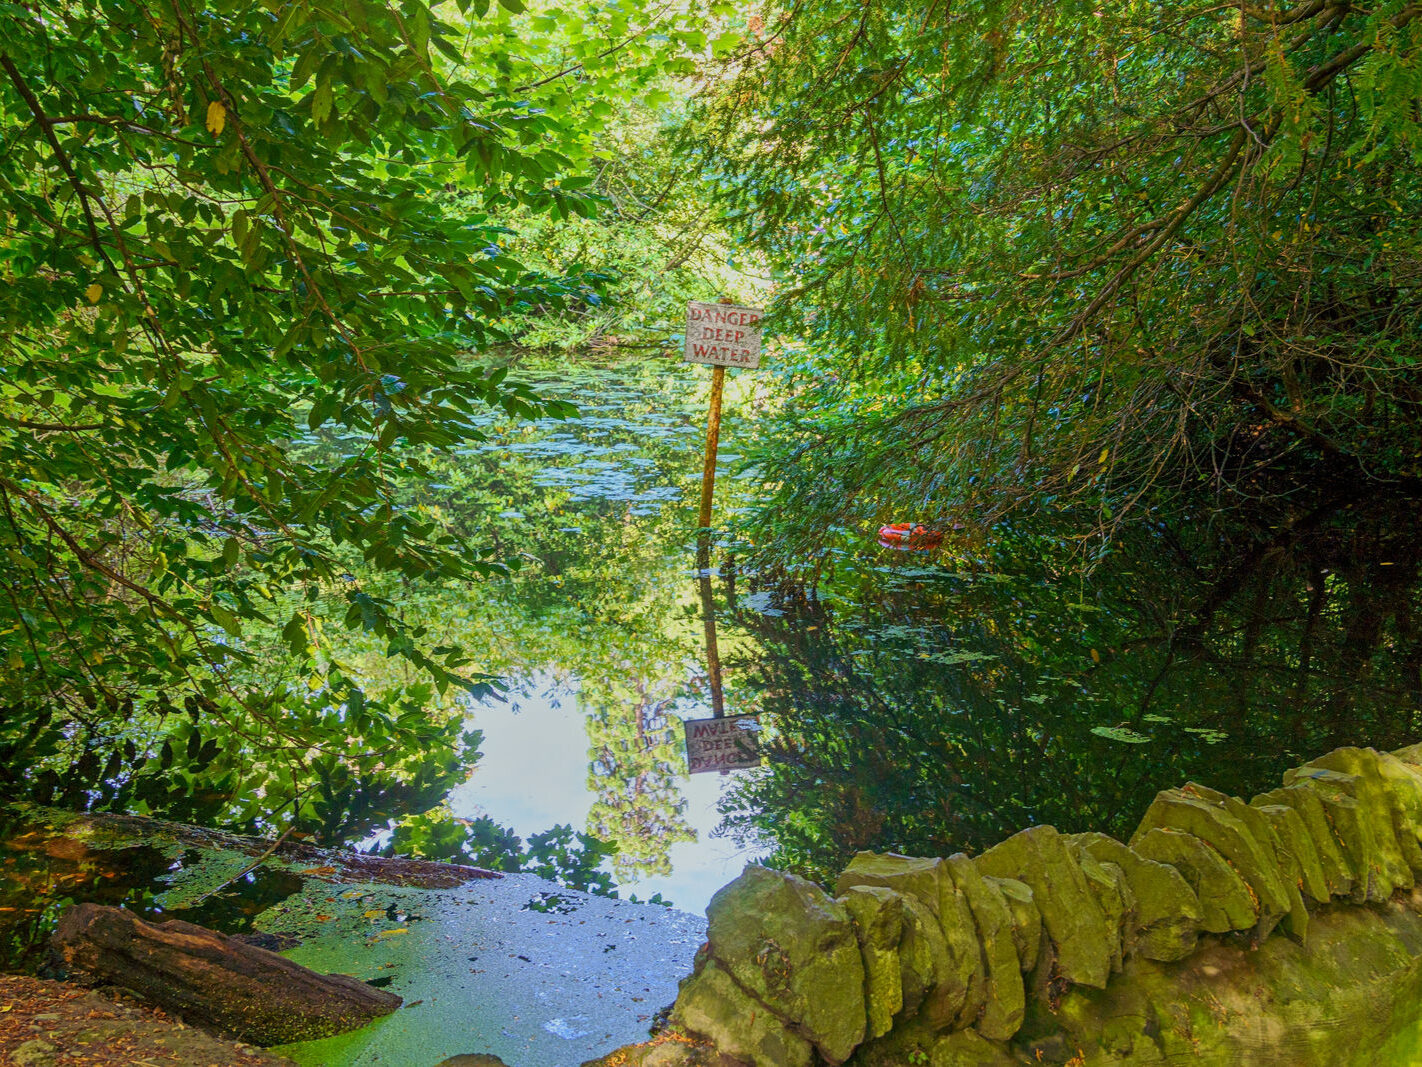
215	981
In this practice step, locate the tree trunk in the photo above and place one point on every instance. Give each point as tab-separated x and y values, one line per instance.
214	981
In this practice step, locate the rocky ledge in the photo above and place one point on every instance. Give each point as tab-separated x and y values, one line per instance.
1284	930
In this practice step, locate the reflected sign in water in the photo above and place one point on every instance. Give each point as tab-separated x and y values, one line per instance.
726	744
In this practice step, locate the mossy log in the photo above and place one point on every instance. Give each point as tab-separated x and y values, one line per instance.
215	981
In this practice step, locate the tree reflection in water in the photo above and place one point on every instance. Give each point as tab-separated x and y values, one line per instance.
927	712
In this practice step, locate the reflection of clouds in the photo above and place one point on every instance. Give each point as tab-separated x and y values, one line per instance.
535	773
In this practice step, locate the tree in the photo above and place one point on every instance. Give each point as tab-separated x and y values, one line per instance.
225	227
1083	255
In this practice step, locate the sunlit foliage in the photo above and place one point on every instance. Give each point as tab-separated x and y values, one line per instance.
1081	252
223	228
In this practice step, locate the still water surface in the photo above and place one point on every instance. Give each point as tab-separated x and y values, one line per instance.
917	702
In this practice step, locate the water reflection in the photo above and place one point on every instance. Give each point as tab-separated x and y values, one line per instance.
601	636
921	702
928	711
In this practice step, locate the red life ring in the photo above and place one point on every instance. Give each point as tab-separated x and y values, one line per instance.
909	536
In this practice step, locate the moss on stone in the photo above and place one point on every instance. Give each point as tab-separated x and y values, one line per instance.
878	917
1070	914
1286	864
928	972
712	1005
912	876
1294	837
923	963
1400	783
1361	813
1026	919
1167	910
1404	780
962	981
1333	859
1004	999
791	946
1251	859
1113	895
1226	902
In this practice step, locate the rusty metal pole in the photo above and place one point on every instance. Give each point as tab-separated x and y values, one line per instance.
708	471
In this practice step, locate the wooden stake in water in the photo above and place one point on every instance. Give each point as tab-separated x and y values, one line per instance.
713	654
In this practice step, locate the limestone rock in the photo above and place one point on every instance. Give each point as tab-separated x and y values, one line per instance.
1399	781
1337	870
785	941
912	876
713	1005
1070	914
1294	838
960	931
927	881
1361	813
1026	919
965	1049
1262	830
1167	910
926	968
1004	996
1252	860
878	917
1405	781
1410	754
920	1047
1226	902
1114	896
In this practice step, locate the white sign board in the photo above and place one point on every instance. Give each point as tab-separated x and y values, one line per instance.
725	744
723	335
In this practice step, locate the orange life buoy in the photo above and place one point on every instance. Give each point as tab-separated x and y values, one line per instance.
910	536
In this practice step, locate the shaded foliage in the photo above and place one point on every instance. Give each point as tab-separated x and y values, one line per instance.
252	257
928	711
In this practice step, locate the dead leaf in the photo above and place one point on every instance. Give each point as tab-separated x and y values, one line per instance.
216	117
93	293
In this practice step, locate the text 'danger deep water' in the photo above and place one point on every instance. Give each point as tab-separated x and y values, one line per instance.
723	335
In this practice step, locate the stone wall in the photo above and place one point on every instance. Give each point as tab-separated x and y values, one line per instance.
1285	930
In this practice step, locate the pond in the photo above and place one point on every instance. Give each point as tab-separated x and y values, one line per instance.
917	701
921	702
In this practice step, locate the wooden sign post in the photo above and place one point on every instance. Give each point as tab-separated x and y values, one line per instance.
720	336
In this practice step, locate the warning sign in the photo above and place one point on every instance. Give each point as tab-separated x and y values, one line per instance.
723	335
726	744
